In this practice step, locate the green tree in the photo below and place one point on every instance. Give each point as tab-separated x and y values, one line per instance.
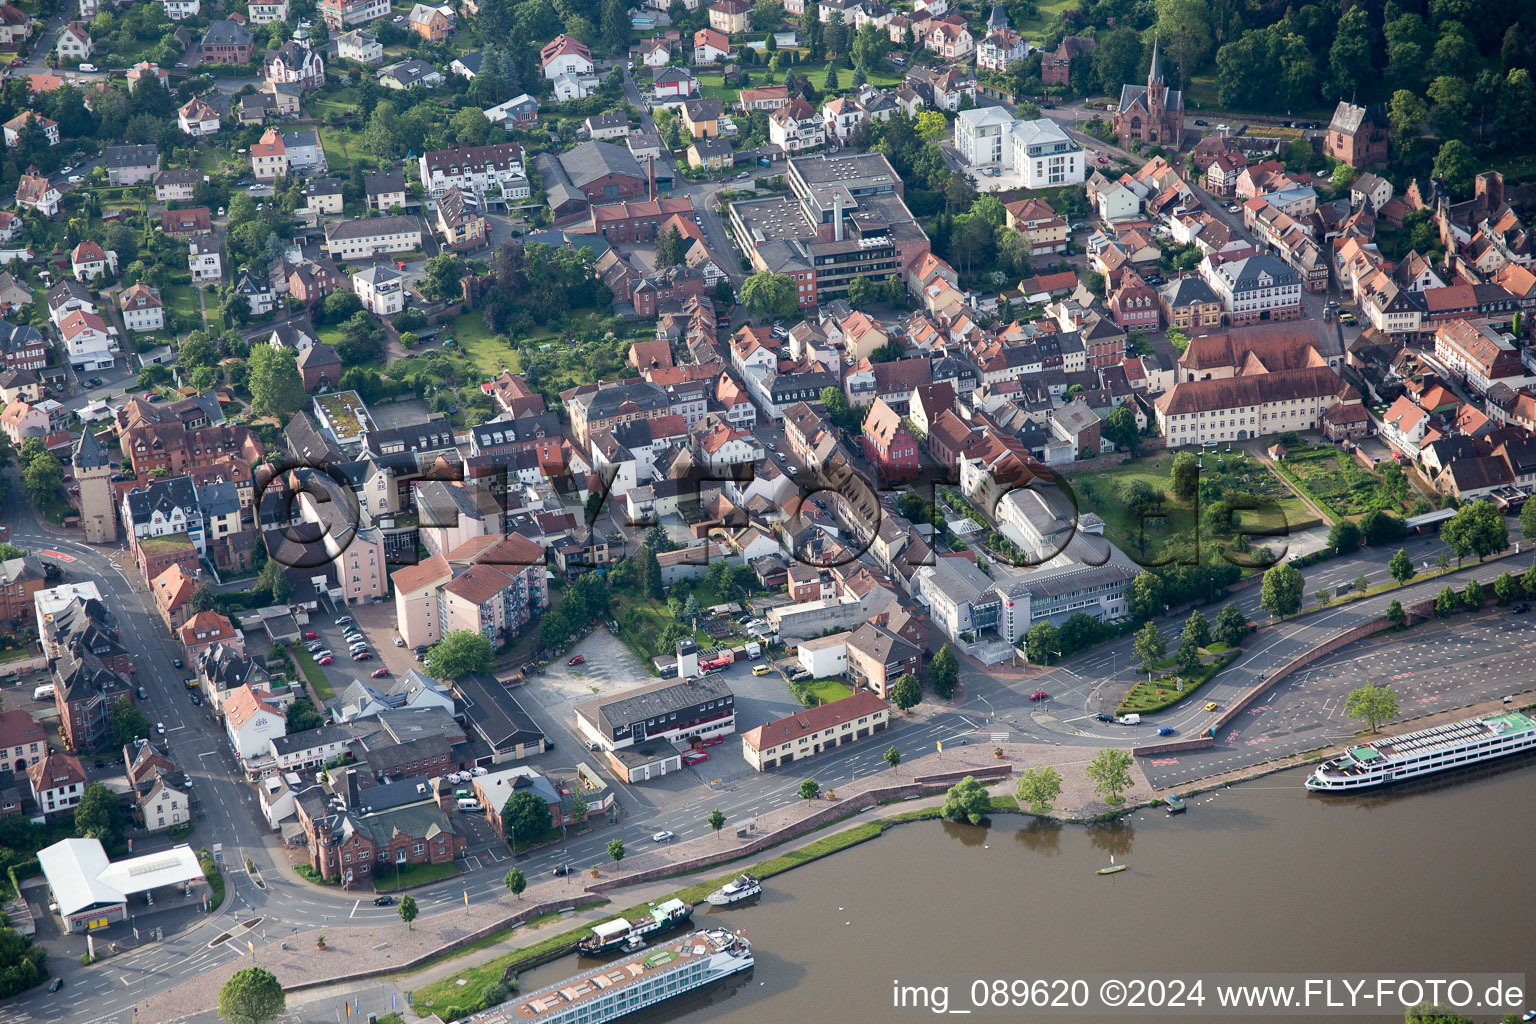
524	817
906	692
810	789
650	573
671	248
1186	476
967	800
1345	536
408	911
126	723
1372	704
251	995
615	26
1280	592
1528	581
717	821
1324	598
1447	602
202	599
1149	646
944	673
516	882
1349	60
1110	771
1231	626
1042	644
41	480
1477	529
1197	629
301	716
1038	787
274	382
1146	597
1401	567
1406	114
1528	519
893	756
273	581
99	815
463	652
1362	583
1506	588
616	850
1395	613
1184	27
442	277
1120	428
1455	165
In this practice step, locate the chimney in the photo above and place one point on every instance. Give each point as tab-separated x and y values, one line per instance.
651	175
837	217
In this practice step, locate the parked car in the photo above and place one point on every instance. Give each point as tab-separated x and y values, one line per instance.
379	673
56	983
1101	716
160	728
561	870
177	662
663	837
363	656
143	694
1202	124
197	701
399	641
310	634
1521	608
580	659
343	620
326	660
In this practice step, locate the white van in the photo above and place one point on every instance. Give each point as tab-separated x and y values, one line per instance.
44	692
469	805
1129	719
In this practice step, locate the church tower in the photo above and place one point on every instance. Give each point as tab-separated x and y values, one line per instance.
1156	117
93	473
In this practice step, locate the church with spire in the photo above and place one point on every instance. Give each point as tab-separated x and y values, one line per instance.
1151	113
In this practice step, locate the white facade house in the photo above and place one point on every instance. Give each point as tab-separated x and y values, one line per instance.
825	656
142	309
359	46
252	723
266	13
181	10
74	43
350	239
380	289
1039	152
88	341
204	259
477	169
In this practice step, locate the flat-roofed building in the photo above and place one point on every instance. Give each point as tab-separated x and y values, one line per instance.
693	708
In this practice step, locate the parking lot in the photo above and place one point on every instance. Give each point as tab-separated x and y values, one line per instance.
1437	666
378	629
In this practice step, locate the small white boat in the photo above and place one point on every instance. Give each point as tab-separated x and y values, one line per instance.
743	888
633	944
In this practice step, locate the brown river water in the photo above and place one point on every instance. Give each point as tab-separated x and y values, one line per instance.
1427	878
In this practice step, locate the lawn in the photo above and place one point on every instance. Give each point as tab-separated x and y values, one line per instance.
1335	481
712	83
1238	476
825	691
313	673
182	298
1163	692
410	875
488	353
1047	14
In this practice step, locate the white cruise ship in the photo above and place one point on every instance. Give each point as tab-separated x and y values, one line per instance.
606	993
1455	745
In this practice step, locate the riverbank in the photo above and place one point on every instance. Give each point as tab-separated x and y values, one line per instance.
372	951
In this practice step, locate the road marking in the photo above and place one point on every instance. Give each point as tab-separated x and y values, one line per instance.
354	908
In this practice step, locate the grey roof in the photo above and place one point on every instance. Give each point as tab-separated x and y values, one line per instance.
219	499
409	72
227	33
472	60
177	176
496	715
1244	273
323	187
1347	118
368	227
130	156
310	738
1183	291
164	496
592	160
631	707
383	181
90	453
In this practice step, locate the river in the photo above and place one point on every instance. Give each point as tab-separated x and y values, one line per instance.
1262	877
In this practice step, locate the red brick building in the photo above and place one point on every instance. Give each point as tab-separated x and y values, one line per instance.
1357	135
888	443
348	844
639	221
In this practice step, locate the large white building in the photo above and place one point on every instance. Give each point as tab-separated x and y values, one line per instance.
477	168
89	891
1038	152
